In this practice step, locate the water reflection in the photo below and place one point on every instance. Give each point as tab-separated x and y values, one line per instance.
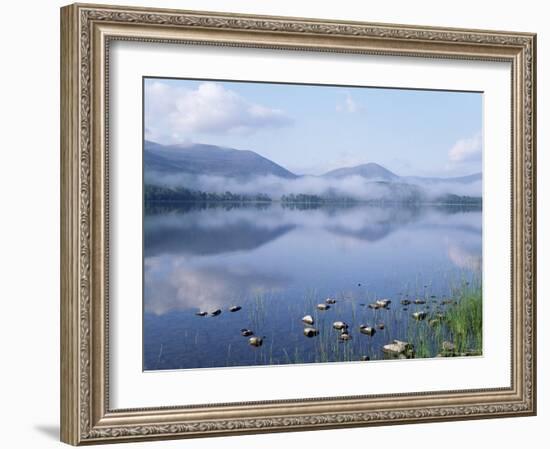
177	236
198	229
171	284
203	257
466	256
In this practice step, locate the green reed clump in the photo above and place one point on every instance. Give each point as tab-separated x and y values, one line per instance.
465	319
458	322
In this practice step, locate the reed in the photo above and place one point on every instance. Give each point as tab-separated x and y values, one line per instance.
459	323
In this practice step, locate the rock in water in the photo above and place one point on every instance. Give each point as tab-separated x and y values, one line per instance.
367	330
383	303
399	349
215	312
246	332
420	301
323	306
380	326
255	341
235	308
339	325
447	346
419	315
365	358
201	313
344	336
405	302
308	319
330	301
310	332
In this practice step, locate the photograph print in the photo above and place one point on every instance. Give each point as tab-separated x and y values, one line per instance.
293	224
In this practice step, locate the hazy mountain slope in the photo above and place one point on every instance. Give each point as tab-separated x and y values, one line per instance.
203	169
200	159
369	171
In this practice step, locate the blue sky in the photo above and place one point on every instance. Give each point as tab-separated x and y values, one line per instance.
313	129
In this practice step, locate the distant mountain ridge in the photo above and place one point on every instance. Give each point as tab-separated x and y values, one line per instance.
369	171
203	159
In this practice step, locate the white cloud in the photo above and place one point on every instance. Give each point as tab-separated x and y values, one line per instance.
467	150
173	113
349	105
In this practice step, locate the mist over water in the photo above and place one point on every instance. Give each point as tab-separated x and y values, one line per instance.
201	257
355	186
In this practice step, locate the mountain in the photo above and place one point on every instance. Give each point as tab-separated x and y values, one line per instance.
368	171
201	159
242	176
372	171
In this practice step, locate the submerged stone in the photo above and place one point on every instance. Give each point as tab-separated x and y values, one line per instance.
383	303
448	346
255	341
339	325
310	332
367	330
308	319
400	349
344	336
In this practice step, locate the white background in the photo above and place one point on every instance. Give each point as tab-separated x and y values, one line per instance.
132	388
29	241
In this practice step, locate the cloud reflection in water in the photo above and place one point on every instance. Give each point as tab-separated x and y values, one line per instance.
173	284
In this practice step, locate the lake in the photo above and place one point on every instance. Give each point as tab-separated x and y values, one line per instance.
277	262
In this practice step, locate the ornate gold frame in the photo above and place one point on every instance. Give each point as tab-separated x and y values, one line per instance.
86	32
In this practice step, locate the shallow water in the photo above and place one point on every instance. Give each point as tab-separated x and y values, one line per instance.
279	262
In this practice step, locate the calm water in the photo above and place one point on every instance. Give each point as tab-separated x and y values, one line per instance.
277	263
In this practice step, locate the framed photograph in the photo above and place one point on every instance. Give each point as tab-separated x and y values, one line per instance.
280	224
